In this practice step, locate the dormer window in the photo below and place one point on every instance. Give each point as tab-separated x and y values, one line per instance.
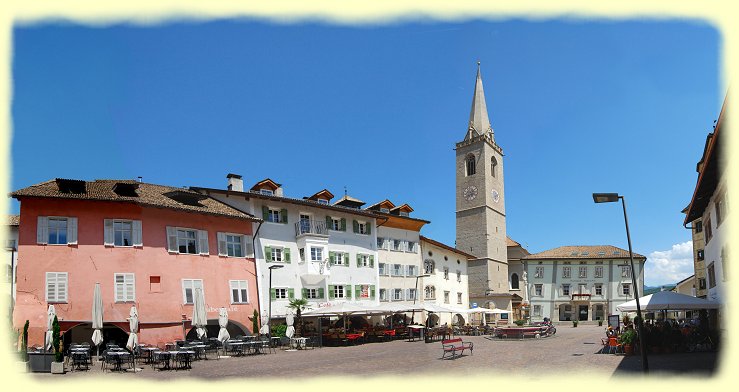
322	201
403	213
385	210
269	192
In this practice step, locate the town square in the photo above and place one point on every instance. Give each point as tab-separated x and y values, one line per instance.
233	198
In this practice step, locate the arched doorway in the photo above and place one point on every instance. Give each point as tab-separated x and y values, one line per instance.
457	319
432	320
82	333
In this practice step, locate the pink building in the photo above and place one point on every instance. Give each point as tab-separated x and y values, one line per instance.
147	245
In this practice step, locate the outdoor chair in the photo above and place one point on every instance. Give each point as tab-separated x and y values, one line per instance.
284	341
266	345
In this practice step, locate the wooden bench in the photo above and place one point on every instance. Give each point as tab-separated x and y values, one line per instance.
454	346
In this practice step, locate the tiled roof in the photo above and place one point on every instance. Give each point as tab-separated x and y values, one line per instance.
584	252
447	247
147	195
304	202
510	242
14	220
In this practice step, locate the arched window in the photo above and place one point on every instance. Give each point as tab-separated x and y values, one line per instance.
470	164
493	166
514	281
428	266
429	292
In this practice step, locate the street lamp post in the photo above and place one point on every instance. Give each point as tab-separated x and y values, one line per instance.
269	311
614	197
415	294
12	250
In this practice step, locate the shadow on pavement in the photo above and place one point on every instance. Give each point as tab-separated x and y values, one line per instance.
696	363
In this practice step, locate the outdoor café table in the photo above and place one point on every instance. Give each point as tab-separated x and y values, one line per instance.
184	357
79	358
163	358
148	353
298	343
238	346
197	348
418	329
255	346
119	357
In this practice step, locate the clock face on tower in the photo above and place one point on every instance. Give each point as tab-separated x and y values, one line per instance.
495	195
470	192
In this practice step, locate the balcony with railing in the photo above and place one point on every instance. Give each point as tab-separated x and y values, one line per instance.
311	227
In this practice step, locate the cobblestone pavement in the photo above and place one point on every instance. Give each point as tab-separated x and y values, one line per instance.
571	350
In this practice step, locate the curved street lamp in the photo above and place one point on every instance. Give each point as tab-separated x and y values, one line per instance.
610	198
269	312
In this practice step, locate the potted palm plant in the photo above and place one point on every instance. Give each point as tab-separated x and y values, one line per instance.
57	367
574	323
299	305
627	340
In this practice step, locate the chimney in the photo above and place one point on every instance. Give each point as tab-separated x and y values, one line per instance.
235	183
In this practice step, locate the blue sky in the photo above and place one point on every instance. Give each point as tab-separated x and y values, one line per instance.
579	106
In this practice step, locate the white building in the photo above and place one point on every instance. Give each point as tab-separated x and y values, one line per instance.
399	252
709	206
324	252
581	282
446	284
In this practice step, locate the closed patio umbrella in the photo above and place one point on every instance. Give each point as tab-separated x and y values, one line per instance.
97	317
133	323
199	318
48	338
290	319
223	334
133	337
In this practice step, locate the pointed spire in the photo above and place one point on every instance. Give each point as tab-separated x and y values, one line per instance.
479	120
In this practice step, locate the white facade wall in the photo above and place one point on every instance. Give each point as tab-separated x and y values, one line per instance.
300	274
10	245
553	301
444	259
715	249
405	257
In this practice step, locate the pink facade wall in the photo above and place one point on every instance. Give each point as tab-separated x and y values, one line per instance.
160	312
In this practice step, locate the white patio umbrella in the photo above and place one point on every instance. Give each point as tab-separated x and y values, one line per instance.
290	331
264	329
668	300
97	317
49	337
223	334
199	317
133	337
133	323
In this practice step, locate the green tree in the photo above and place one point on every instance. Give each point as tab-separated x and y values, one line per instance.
57	341
24	347
299	305
255	323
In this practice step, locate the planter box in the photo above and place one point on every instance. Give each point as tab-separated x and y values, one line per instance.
57	368
40	362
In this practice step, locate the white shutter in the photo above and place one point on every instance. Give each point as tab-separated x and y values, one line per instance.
130	282
42	230
50	286
108	232
222	251
120	290
138	239
71	230
187	285
408	293
172	239
203	242
61	286
247	246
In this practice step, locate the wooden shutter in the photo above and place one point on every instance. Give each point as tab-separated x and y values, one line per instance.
290	293
137	233
243	246
42	230
369	228
50	286
348	291
222	248
265	213
71	230
329	222
172	239
372	291
320	292
331	291
359	260
357	291
304	293
332	258
273	293
372	261
268	253
283	215
203	242
286	255
356	226
108	232
346	259
248	247
343	224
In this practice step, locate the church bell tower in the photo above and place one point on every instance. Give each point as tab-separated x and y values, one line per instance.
480	207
